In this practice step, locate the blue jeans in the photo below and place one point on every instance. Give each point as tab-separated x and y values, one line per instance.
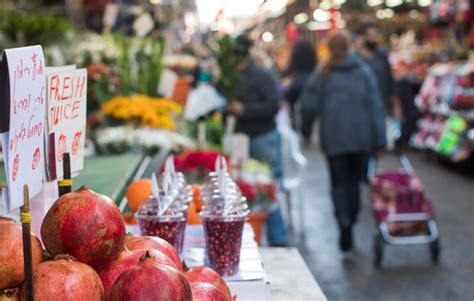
267	148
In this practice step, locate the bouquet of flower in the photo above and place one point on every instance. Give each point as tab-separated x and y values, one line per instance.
194	160
260	197
256	184
152	140
114	140
196	164
143	110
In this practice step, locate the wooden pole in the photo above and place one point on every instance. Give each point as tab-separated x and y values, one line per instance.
65	185
25	224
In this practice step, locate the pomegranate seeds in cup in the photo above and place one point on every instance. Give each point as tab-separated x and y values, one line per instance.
169	227
223	236
223	215
169	224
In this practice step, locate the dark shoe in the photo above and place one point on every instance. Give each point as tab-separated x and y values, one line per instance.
345	240
278	244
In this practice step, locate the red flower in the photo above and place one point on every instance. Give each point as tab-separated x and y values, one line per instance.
248	191
269	190
196	159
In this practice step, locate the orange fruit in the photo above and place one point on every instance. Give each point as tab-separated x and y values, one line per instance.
137	192
193	215
197	197
129	218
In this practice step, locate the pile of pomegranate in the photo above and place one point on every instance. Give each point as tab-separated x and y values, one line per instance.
93	259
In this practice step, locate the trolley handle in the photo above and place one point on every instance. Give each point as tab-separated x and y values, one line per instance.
372	165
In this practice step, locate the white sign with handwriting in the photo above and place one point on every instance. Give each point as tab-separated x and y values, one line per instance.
23	142
66	116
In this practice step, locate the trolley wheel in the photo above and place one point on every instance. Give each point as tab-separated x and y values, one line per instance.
378	250
435	250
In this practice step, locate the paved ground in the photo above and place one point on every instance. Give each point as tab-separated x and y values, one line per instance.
407	272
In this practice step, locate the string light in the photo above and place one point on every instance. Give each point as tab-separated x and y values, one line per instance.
393	3
301	18
267	37
424	2
320	15
389	13
374	2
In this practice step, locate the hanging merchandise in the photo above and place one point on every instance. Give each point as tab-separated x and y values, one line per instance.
447	100
449	142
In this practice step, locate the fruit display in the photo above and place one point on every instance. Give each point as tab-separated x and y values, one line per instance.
152	242
207	275
203	291
11	254
86	225
66	279
127	260
88	256
151	281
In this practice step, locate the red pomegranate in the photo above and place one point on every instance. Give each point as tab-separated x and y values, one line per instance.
11	294
153	242
11	253
86	225
203	291
151	281
127	260
208	275
65	279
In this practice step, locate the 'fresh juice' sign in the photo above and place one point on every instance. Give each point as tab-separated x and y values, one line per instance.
66	115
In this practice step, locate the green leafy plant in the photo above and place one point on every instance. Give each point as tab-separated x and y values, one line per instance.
224	51
23	29
133	67
214	130
150	65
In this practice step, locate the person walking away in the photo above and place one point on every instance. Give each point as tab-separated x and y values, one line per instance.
344	95
369	51
255	110
302	63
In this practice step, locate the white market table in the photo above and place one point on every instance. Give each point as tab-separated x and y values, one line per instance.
265	273
288	276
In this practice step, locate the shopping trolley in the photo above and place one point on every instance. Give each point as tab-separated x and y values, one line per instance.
402	210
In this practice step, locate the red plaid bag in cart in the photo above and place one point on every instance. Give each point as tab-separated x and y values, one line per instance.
396	192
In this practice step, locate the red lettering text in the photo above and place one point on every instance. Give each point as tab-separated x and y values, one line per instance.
54	87
66	82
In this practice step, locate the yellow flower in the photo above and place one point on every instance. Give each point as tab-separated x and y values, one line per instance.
149	119
135	111
217	117
153	112
122	113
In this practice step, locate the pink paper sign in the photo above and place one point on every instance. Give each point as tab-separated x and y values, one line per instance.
25	101
66	115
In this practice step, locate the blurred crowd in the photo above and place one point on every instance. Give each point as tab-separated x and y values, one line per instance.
345	82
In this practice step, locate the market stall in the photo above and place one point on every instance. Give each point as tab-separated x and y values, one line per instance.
94	199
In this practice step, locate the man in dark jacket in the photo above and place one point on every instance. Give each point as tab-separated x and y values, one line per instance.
255	109
377	60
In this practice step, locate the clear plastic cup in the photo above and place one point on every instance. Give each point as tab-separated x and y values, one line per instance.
223	235
184	211
169	227
215	204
